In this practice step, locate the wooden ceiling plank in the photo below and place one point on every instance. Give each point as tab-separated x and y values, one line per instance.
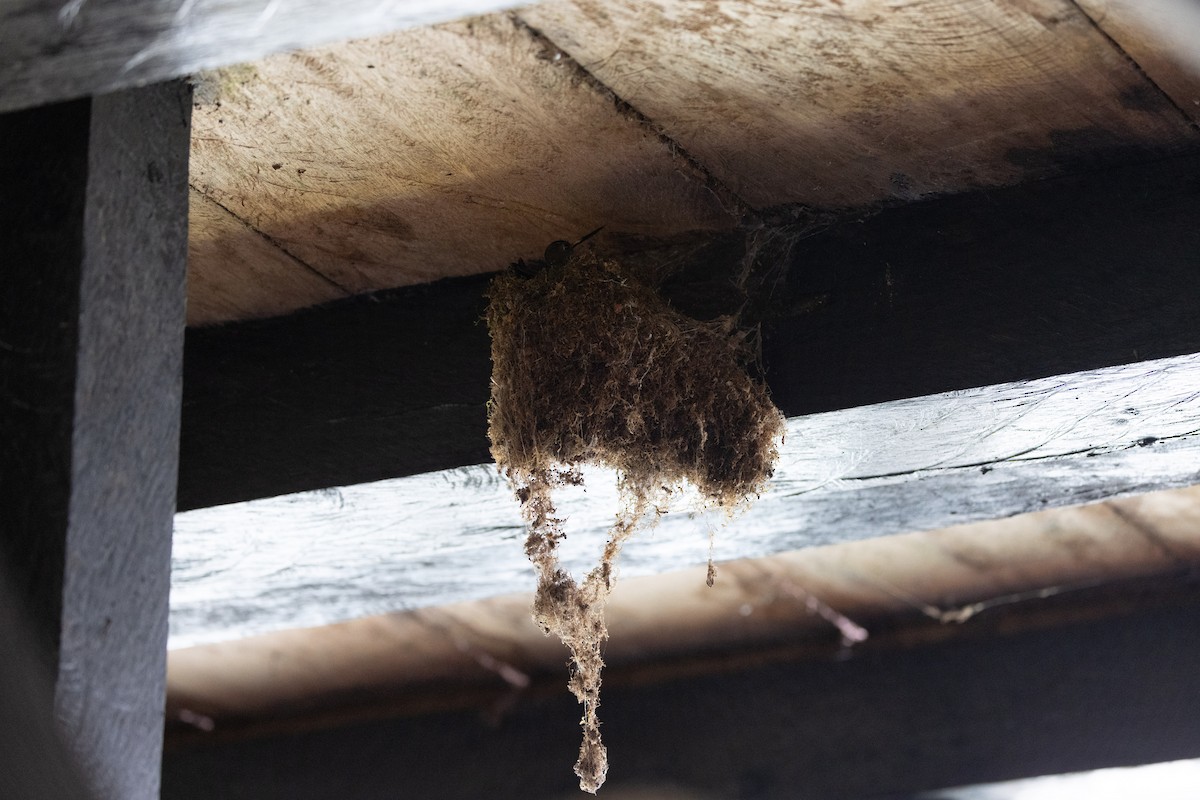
1162	37
430	153
836	103
52	50
239	273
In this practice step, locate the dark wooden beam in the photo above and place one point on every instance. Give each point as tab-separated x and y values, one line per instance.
999	285
974	290
52	50
871	722
93	225
373	387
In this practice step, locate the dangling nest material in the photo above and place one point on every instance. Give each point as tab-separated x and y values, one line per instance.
590	366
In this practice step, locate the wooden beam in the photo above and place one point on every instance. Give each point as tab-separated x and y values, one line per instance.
968	291
52	50
1111	692
93	204
842	476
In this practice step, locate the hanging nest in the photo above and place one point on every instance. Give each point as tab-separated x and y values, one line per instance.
591	366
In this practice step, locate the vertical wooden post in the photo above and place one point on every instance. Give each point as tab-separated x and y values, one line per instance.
93	237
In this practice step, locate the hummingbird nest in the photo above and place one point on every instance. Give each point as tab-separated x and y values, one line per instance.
591	366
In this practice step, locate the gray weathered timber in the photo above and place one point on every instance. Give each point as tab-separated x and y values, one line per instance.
124	456
53	50
1113	692
906	465
96	302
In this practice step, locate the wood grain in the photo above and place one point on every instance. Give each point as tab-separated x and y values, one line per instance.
237	271
125	444
1161	36
410	157
54	50
95	220
837	103
860	473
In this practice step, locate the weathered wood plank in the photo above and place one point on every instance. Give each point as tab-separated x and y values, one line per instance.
1161	36
845	103
983	289
366	161
983	577
420	155
52	50
916	464
94	220
1114	692
237	271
